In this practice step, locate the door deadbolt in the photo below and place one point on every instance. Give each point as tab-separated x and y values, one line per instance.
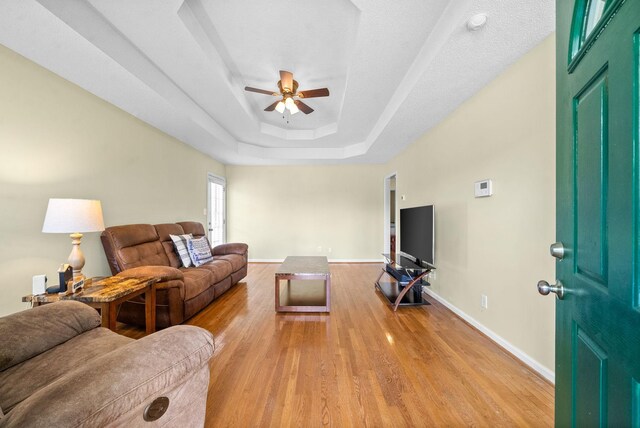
557	250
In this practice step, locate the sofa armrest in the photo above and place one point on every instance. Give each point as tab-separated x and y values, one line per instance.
29	333
114	389
231	248
164	273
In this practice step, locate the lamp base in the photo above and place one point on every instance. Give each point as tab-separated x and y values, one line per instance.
76	258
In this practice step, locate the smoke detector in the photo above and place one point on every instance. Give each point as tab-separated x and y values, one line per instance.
476	22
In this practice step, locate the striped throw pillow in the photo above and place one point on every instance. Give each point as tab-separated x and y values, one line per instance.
199	250
180	245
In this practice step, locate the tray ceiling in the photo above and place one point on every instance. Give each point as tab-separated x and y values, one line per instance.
394	69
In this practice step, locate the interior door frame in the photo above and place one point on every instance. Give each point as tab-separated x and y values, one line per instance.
386	245
216	179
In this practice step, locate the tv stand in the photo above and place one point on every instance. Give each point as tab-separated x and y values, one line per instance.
401	281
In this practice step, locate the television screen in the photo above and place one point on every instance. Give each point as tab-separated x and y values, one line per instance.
417	233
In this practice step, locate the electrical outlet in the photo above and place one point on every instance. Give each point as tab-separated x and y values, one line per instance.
329	250
484	301
319	249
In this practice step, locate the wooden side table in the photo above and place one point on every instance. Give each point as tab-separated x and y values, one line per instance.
106	294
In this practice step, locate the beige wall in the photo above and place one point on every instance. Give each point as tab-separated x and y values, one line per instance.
293	210
57	140
496	246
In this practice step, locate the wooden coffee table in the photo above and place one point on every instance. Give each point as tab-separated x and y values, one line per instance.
308	286
106	294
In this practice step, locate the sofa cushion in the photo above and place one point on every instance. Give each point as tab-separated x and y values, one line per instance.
237	261
164	230
193	227
196	281
220	269
132	246
35	330
180	246
199	250
148	254
21	381
132	234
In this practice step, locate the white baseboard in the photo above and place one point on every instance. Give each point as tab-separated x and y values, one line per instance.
515	351
330	260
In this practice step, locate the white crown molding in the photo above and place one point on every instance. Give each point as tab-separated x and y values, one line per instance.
447	23
90	23
109	52
196	20
298	134
441	32
83	18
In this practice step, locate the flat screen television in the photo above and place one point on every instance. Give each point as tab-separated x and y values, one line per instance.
417	234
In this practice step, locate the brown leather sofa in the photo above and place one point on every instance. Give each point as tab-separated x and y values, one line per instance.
145	249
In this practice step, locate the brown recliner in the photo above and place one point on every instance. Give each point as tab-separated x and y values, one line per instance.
147	250
59	368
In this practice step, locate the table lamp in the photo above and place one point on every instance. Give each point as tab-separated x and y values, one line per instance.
74	216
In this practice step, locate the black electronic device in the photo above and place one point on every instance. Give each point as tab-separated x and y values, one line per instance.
417	233
65	275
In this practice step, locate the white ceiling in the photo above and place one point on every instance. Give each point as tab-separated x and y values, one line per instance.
394	68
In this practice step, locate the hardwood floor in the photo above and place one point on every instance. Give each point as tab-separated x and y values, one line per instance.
360	365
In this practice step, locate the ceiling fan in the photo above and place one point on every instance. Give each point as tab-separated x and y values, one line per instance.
288	90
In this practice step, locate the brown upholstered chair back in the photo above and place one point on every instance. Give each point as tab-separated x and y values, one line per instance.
133	245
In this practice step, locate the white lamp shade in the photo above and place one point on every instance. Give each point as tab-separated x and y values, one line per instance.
280	107
73	216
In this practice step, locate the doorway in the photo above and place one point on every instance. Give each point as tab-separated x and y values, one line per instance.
216	209
390	215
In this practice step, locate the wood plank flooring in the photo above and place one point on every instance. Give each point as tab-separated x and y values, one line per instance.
361	365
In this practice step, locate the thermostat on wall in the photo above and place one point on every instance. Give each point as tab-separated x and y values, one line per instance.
483	189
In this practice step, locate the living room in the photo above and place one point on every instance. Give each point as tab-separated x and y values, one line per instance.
61	140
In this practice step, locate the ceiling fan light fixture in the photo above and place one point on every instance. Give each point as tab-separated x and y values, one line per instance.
288	88
288	102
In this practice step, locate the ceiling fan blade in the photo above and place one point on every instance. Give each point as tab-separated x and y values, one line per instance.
272	107
260	91
314	93
286	80
303	107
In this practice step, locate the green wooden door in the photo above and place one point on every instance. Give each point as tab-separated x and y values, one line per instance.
598	321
